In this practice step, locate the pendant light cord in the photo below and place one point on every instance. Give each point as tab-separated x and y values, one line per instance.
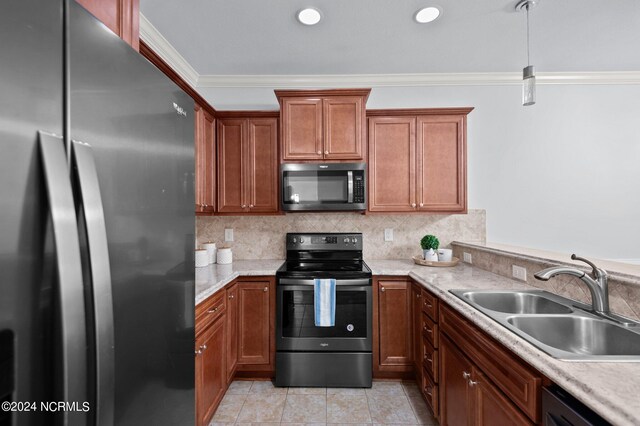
528	60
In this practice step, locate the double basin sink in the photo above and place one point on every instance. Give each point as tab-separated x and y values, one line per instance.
558	326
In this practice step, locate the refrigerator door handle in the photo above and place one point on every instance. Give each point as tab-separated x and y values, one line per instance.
91	197
70	295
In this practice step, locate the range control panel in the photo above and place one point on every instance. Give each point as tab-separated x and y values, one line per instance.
319	241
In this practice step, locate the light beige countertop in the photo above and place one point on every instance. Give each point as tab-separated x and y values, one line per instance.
610	389
210	279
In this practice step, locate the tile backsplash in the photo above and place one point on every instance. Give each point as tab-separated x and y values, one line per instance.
262	237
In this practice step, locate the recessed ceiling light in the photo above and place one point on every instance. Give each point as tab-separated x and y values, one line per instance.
427	14
309	16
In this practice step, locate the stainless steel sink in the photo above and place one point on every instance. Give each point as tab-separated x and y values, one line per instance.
516	302
561	327
579	334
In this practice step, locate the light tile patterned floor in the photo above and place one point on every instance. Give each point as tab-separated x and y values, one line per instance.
386	403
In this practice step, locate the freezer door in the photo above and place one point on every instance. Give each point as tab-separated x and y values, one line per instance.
30	100
139	126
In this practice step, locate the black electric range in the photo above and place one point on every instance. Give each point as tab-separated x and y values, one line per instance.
307	355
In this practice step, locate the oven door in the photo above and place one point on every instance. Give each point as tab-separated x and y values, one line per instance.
295	326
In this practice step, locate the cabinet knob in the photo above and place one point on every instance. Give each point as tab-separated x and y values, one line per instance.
266	289
211	311
231	296
421	204
382	289
244	206
472	383
413	205
326	153
203	347
418	296
428	391
198	352
429	360
319	152
465	375
250	206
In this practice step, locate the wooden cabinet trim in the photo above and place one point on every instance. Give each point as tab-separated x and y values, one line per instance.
247	114
418	111
521	383
322	93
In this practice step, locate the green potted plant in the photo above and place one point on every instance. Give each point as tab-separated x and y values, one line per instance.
430	244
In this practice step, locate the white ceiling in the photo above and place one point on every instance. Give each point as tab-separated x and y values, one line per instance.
262	37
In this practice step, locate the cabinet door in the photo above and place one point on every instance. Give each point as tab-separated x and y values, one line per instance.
441	163
394	319
490	406
232	331
209	163
200	151
343	118
120	16
392	164
211	378
263	165
301	129
254	322
455	397
231	165
417	330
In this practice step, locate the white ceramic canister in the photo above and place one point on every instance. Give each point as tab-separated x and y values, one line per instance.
224	256
202	258
211	250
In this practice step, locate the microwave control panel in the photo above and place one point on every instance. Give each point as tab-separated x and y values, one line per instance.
358	189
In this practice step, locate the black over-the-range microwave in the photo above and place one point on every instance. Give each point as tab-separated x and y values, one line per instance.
324	187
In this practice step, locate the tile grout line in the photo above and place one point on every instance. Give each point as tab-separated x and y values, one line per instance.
244	402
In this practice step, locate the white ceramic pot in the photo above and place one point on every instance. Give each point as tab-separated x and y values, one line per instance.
211	250
445	255
430	255
202	258
224	256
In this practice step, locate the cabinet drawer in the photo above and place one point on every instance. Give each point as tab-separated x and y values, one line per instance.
210	310
430	360
519	381
430	393
430	304
430	330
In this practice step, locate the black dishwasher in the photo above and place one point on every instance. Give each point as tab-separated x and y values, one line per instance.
561	409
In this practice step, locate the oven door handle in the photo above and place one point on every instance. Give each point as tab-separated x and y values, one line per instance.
309	282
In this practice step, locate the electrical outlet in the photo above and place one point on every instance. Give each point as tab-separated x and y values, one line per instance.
519	272
228	234
466	257
388	234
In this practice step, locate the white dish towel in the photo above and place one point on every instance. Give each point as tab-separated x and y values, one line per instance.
324	302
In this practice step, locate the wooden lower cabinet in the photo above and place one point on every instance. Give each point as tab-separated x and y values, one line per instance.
416	312
232	331
256	324
482	382
394	347
211	377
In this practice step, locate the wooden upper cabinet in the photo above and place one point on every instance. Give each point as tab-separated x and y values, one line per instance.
343	127
441	163
120	16
247	162
205	180
417	160
395	346
263	165
301	129
231	165
392	165
327	125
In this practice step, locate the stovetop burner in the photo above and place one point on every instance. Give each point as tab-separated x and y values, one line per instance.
324	255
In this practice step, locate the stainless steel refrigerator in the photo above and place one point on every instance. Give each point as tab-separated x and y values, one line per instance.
96	226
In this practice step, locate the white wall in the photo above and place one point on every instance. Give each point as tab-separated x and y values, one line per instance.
563	175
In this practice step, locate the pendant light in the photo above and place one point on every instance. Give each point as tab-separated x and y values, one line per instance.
528	72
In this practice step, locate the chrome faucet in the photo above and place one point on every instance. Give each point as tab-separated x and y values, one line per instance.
598	285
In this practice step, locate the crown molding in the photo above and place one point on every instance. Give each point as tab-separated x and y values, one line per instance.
165	50
427	79
161	46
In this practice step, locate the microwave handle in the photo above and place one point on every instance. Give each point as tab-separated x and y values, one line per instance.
350	187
